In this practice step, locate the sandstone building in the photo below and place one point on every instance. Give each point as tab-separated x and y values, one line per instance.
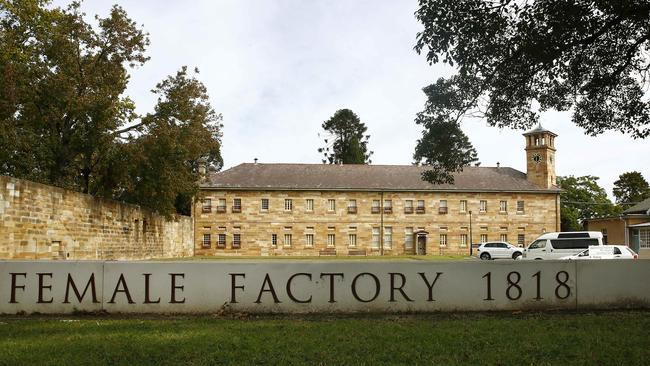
317	209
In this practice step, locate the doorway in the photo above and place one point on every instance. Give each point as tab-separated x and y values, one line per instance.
421	242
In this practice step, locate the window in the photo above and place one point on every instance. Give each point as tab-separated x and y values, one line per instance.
309	240
644	238
483	238
352	206
221	241
274	239
443	207
287	240
504	238
503	206
521	239
236	241
331	205
443	240
288	204
207	205
236	205
222	205
420	208
388	237
331	240
265	204
388	206
520	206
408	206
463	240
463	206
309	204
375	237
206	240
352	240
483	206
375	206
408	238
538	244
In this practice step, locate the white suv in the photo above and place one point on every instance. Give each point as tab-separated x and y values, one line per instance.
498	249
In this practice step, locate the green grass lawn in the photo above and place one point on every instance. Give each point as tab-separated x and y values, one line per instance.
605	338
328	257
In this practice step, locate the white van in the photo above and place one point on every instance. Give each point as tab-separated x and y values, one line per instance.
558	245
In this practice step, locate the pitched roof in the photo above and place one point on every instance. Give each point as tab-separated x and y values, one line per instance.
539	129
641	207
365	178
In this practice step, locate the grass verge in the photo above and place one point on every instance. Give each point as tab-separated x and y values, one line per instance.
607	338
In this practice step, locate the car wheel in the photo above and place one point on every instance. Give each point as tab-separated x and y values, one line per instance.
516	255
485	256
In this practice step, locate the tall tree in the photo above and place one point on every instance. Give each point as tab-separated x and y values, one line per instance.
345	141
515	59
582	198
62	89
443	146
64	118
182	129
631	188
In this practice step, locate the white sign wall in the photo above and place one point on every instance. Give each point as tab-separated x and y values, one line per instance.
320	286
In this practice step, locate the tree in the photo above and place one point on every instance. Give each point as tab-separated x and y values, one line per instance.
443	146
346	142
64	118
183	129
515	59
631	188
63	84
582	198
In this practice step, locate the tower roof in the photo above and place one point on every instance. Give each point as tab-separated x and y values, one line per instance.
539	129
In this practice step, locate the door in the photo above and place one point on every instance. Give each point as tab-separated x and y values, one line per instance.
537	249
422	245
635	244
504	251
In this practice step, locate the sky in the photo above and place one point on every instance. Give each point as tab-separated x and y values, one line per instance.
278	69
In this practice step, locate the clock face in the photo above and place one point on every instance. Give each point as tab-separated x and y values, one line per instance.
537	158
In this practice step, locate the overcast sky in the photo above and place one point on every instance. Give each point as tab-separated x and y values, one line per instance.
278	69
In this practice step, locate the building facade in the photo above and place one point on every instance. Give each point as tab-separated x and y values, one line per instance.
317	209
631	228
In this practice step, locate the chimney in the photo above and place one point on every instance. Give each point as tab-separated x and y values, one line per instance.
203	167
255	161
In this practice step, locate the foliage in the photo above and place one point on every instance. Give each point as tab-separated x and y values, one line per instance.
516	59
443	146
346	142
64	118
631	188
582	198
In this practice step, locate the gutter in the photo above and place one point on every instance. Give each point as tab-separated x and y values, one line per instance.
375	190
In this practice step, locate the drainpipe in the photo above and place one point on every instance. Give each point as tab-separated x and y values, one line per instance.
625	236
381	225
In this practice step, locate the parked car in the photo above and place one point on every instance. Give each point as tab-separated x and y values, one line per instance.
558	245
498	249
604	252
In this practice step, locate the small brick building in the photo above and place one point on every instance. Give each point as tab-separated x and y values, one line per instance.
316	209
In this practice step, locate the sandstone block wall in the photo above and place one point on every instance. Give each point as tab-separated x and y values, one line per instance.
44	222
256	226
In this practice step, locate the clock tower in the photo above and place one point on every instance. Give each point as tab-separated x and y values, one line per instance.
540	157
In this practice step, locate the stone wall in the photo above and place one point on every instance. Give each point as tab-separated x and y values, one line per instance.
256	227
44	222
